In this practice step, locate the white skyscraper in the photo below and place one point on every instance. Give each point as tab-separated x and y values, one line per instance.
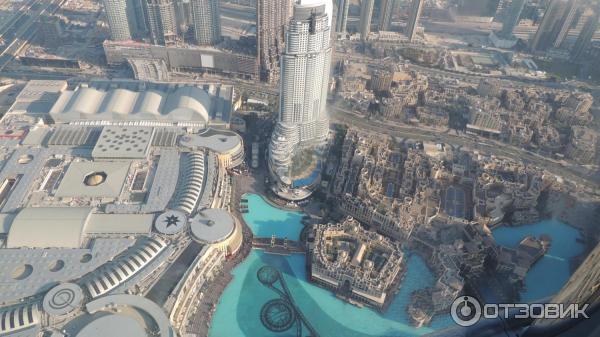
305	65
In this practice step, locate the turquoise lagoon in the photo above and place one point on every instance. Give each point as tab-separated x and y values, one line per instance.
238	312
552	271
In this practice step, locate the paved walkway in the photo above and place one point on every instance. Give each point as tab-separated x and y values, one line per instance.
199	321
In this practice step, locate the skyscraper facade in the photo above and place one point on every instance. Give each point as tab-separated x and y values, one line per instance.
272	19
206	23
413	19
341	20
366	15
116	13
565	23
584	40
162	24
137	19
511	20
305	66
183	15
385	14
555	25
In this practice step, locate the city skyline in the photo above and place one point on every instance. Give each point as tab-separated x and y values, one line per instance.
322	168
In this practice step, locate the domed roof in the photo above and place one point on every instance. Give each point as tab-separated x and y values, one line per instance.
86	101
120	101
188	103
149	102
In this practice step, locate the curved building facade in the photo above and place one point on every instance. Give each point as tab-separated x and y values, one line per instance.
115	273
218	228
305	67
227	145
19	317
193	182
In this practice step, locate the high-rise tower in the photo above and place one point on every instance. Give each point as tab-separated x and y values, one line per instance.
565	23
161	20
183	15
385	14
366	15
116	13
555	25
341	20
137	19
511	20
584	40
413	20
303	123
272	18
206	21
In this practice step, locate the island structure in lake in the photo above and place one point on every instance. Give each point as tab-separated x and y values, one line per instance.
361	266
390	198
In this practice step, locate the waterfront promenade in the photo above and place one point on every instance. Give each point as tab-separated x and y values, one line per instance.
198	323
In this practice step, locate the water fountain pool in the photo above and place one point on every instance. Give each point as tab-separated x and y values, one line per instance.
238	313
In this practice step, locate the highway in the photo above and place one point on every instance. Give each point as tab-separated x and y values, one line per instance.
24	29
505	81
243	13
8	29
572	173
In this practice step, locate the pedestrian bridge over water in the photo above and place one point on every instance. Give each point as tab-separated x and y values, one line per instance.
278	246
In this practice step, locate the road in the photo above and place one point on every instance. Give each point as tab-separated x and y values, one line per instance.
572	173
8	29
244	13
506	81
26	29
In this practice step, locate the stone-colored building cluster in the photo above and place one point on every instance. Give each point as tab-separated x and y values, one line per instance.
504	185
358	264
441	202
549	121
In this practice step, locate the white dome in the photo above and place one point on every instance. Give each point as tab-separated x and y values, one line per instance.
188	103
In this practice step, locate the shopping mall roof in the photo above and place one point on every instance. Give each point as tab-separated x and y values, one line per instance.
48	227
122	224
148	319
37	97
123	142
180	104
212	225
221	141
94	179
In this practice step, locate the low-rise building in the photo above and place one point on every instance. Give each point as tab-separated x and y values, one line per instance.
357	264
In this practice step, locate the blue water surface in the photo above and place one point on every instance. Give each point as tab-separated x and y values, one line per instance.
552	271
265	220
238	312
